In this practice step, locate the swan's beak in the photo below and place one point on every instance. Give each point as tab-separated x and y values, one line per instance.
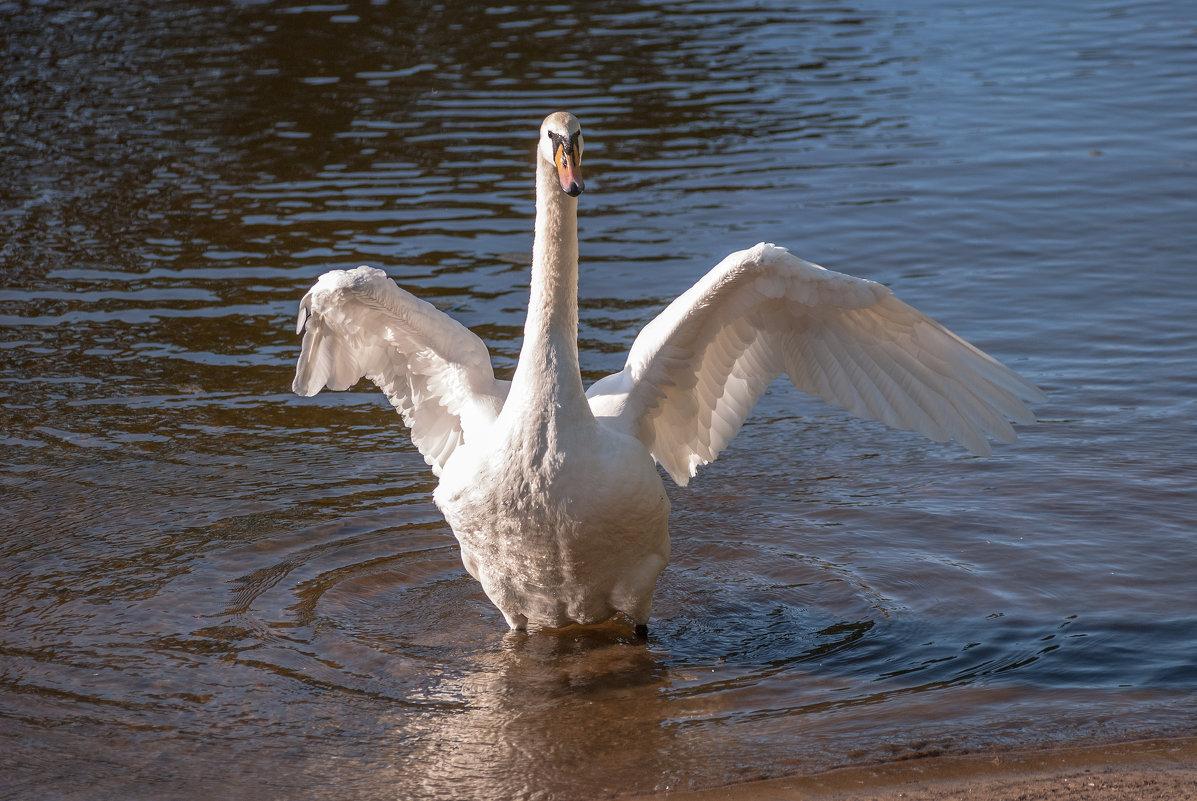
569	170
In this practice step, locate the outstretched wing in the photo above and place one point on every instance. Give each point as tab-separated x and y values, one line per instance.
696	371
434	370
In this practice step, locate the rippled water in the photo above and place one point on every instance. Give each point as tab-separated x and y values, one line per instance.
210	587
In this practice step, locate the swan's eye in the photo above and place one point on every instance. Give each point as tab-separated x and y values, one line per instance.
565	148
557	140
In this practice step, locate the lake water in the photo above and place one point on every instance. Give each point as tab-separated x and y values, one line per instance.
212	588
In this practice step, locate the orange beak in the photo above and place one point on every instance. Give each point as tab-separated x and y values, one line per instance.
569	171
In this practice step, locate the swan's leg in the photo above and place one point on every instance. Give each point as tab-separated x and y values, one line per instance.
517	622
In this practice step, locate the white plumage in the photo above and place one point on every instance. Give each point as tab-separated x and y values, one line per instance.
552	490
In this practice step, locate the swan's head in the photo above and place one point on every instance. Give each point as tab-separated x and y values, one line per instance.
561	146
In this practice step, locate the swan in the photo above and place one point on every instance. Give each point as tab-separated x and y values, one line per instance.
552	489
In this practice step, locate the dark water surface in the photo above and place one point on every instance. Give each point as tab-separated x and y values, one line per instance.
212	588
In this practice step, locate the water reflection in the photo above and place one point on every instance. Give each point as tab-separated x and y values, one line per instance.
538	713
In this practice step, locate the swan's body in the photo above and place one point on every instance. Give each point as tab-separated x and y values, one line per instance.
552	490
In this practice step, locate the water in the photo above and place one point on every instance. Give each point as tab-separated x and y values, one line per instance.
210	587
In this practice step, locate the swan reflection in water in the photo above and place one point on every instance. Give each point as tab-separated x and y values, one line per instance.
551	488
528	713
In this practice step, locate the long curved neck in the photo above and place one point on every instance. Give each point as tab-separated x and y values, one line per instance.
548	373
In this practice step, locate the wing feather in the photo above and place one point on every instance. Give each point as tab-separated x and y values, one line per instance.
696	371
435	371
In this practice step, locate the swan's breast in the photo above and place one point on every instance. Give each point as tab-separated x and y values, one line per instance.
559	527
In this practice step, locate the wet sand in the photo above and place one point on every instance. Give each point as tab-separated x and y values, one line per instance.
1148	770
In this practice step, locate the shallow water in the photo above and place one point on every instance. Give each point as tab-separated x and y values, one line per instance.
211	587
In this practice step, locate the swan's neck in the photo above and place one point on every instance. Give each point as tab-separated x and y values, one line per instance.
547	378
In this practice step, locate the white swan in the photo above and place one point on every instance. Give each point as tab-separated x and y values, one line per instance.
551	489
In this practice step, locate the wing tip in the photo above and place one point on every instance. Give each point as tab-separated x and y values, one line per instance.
1033	393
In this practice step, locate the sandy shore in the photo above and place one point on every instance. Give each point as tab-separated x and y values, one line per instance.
1155	770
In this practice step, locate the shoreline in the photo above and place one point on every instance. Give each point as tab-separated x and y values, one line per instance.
1146	770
